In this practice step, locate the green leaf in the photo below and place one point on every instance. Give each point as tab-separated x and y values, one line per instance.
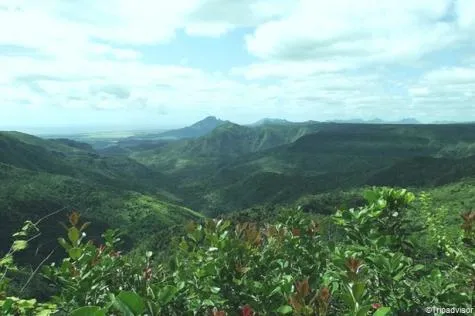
7	305
88	311
28	225
371	196
363	311
73	235
48	312
418	267
131	302
20	234
208	302
382	311
19	245
358	290
278	289
64	243
75	253
27	303
399	276
215	289
167	294
284	309
6	261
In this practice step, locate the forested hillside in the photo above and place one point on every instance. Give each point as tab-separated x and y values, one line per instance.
294	230
235	166
40	176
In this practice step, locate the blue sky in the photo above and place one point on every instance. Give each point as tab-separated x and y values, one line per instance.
156	64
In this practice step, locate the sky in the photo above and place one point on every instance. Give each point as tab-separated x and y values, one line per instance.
164	64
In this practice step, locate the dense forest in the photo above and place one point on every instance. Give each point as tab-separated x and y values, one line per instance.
218	218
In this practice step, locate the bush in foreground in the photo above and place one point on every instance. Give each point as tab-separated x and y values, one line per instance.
386	258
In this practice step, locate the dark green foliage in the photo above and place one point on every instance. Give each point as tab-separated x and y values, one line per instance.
227	141
40	176
237	167
274	183
425	172
374	266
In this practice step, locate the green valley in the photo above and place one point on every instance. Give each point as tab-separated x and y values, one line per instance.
237	158
237	217
239	166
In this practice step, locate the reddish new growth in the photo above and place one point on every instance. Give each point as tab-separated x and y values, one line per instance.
313	228
376	305
217	312
354	265
468	221
296	232
302	288
147	273
324	295
247	311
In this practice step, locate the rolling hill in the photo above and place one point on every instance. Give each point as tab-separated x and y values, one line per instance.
233	167
39	176
77	160
227	141
236	166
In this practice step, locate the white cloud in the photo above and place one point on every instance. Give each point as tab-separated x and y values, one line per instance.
286	69
315	59
300	29
419	91
371	30
446	93
208	29
465	10
217	17
44	24
451	75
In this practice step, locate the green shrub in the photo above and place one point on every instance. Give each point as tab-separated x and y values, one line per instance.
372	265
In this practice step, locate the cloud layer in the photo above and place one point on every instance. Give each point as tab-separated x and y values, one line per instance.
310	59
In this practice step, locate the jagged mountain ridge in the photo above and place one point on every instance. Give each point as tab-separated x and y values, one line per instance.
198	129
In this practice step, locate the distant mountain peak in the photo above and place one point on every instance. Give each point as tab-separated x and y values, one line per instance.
209	120
198	129
228	125
269	120
408	120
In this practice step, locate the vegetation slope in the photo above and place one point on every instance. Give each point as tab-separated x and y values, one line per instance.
40	176
236	167
147	188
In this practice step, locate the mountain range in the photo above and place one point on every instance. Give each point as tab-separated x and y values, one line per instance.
205	126
198	129
266	121
237	166
407	121
150	182
209	123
